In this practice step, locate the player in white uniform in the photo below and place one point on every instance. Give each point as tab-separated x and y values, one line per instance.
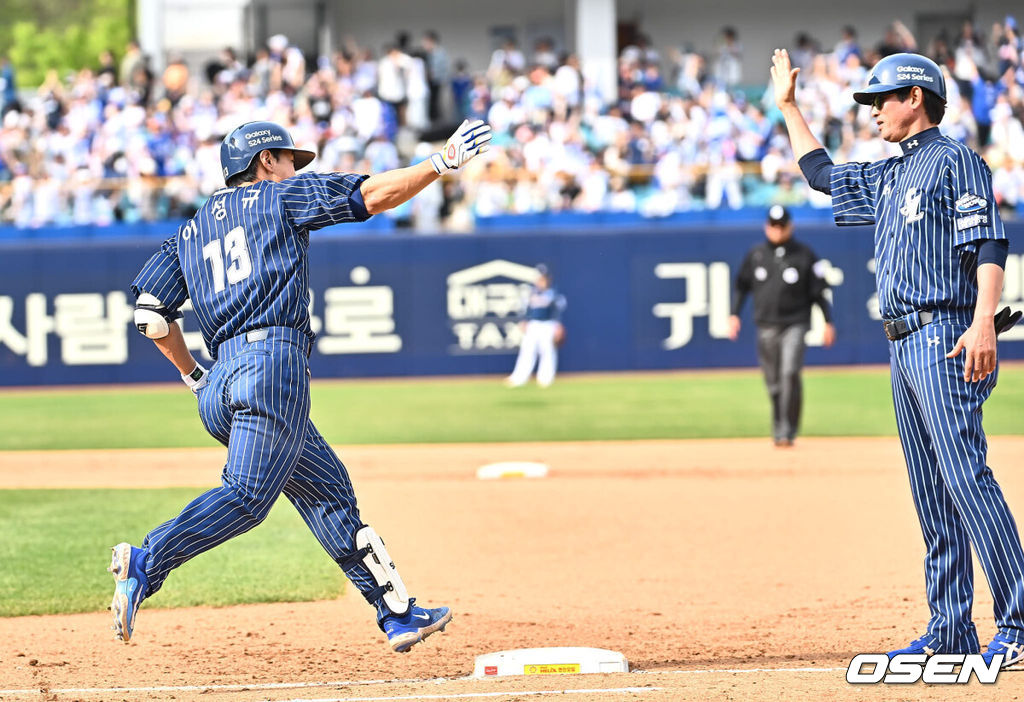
542	333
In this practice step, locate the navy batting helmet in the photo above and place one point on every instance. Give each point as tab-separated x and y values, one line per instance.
244	144
902	71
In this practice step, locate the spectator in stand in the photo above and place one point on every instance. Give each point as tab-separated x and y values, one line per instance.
568	82
8	87
969	55
897	39
506	62
391	80
175	79
89	146
984	94
130	63
728	66
641	53
106	75
544	54
804	51
847	45
461	84
438	73
417	90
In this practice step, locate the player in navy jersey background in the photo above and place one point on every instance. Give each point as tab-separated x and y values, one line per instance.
242	262
940	249
543	333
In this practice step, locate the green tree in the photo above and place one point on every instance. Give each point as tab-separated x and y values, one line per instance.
64	36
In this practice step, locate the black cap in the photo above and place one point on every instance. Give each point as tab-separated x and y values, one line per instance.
777	214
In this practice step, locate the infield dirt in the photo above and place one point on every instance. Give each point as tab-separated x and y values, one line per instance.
718	568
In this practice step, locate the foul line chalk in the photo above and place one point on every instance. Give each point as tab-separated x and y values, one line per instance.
218	688
482	695
712	671
353	683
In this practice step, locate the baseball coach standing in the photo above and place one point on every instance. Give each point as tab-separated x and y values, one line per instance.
940	249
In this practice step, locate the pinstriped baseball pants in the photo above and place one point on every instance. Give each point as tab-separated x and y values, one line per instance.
958	501
257	404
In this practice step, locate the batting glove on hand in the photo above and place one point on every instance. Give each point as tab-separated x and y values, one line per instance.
1006	319
470	139
197	379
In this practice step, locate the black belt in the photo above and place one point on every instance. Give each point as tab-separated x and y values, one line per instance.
900	327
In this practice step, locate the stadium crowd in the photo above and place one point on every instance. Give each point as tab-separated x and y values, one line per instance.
116	142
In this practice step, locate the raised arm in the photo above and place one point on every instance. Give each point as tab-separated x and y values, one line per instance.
391	188
784	81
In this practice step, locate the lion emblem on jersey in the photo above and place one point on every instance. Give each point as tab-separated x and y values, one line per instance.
912	206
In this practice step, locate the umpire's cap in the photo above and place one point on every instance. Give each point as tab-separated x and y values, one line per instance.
779	215
902	71
245	143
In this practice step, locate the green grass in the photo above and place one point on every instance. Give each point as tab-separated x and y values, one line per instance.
672	405
54	543
55	548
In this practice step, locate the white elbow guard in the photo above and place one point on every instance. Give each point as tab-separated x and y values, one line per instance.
152	318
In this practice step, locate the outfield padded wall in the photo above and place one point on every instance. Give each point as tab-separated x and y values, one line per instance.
426	305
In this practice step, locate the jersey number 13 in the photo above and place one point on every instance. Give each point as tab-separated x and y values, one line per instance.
235	252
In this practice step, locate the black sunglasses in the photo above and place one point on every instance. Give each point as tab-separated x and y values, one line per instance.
880	98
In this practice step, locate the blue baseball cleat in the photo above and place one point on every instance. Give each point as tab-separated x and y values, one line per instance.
929	646
417	624
926	645
1012	651
130	583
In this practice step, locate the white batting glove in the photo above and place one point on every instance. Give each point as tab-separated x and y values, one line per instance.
197	379
470	139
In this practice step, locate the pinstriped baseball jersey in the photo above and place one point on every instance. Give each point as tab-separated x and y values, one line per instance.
928	206
242	258
242	262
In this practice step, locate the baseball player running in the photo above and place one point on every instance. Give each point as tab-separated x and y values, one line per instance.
242	262
939	256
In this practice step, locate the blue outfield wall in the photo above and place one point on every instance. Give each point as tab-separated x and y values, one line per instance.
638	298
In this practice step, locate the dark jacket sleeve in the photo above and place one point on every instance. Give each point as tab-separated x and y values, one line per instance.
743	282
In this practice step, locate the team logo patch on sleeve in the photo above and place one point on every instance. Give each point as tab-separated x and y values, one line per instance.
969	202
974	220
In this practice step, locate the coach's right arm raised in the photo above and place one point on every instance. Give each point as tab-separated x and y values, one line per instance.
811	155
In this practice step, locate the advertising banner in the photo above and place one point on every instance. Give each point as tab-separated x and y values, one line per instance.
427	305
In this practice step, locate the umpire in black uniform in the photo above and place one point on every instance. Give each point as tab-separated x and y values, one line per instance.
783	275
